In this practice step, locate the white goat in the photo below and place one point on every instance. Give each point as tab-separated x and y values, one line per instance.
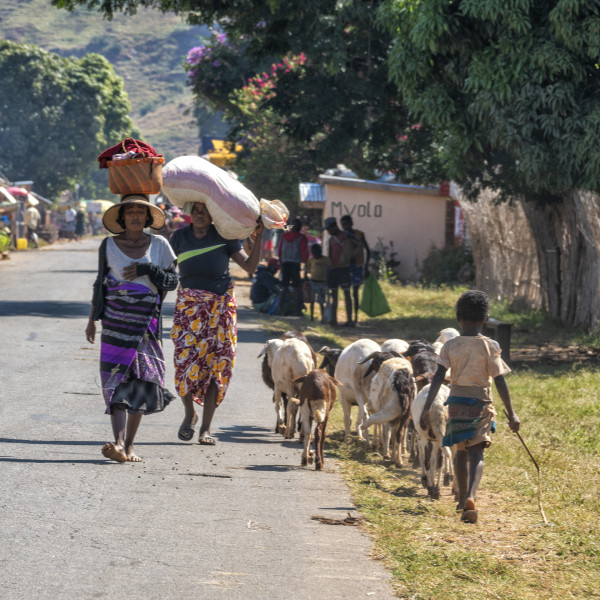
395	345
269	350
391	393
293	359
430	442
447	334
355	390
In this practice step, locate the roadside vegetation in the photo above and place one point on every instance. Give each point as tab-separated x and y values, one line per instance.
510	553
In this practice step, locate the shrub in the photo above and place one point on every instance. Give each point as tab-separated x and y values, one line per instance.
451	265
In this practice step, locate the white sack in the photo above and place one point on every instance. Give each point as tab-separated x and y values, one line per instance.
233	207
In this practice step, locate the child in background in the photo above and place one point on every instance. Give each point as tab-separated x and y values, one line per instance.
316	269
474	361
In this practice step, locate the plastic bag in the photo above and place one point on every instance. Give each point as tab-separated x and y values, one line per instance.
373	301
234	209
273	213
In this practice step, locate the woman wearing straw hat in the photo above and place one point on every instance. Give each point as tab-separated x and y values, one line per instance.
205	319
135	270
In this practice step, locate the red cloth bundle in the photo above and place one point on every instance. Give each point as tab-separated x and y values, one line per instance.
127	145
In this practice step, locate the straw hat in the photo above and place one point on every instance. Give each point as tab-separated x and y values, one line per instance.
109	220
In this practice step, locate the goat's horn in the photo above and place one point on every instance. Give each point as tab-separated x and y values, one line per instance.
370	357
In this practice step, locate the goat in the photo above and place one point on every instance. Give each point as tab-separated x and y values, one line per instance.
392	390
447	334
430	442
417	346
330	358
396	345
377	359
268	351
355	390
266	364
292	360
381	432
424	364
316	398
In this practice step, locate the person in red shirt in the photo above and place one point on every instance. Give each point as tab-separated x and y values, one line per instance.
292	252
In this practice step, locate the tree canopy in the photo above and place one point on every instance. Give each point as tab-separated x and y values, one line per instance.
341	106
57	115
512	92
510	88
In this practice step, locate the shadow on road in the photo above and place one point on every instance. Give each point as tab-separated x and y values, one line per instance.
58	461
44	308
244	434
93	271
275	468
81	442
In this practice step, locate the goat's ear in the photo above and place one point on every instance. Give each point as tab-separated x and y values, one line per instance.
419	377
299	379
323	350
336	382
396	354
262	352
295	401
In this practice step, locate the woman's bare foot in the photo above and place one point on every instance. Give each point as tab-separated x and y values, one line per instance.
114	452
131	455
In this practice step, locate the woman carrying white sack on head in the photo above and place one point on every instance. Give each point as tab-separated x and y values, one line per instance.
204	333
205	319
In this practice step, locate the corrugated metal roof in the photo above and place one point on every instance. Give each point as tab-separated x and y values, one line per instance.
312	192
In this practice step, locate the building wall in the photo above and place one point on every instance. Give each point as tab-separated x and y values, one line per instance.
411	217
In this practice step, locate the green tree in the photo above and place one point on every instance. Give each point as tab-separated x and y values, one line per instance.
342	105
511	90
57	115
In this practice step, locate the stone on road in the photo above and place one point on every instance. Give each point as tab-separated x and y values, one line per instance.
232	520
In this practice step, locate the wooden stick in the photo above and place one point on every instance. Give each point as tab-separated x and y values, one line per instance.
539	472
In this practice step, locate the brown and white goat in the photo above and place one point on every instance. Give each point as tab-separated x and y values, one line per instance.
392	393
316	398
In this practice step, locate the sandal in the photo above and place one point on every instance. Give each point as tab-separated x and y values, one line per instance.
186	431
206	439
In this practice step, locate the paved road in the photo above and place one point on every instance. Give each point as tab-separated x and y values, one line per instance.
230	521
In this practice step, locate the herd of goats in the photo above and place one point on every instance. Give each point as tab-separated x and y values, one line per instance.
388	383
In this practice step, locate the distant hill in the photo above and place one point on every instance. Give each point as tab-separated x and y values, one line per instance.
146	50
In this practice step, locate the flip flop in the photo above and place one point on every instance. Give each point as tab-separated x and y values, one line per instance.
186	431
206	439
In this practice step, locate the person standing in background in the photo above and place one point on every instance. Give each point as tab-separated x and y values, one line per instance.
292	252
70	215
340	249
359	261
32	220
316	273
79	224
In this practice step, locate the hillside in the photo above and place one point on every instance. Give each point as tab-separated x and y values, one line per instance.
146	50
